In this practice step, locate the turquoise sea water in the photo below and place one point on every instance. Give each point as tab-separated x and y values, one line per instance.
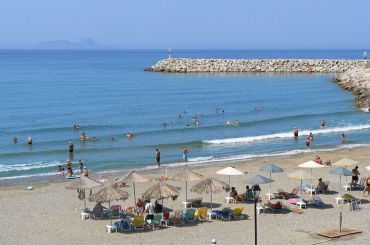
106	92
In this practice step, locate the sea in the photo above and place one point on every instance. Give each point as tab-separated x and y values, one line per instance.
44	93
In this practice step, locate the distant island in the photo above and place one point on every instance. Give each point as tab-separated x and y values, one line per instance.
85	43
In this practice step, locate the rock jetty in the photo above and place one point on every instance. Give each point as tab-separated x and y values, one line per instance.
357	81
269	65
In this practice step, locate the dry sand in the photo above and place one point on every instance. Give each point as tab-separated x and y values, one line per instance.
51	215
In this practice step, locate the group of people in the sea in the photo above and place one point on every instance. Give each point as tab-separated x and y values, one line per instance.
69	172
309	138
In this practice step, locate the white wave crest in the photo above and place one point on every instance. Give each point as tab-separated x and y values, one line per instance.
284	135
27	166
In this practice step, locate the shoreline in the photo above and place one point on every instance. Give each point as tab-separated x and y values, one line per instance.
150	170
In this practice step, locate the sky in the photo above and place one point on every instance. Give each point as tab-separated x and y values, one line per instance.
189	24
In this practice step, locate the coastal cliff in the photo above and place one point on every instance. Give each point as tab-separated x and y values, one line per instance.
357	81
181	65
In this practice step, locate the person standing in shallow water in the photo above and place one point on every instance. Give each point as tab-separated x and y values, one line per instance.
295	132
158	157
71	147
185	152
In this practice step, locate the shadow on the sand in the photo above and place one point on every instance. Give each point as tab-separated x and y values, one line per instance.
208	205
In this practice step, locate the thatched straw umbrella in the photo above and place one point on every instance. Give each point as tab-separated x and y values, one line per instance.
210	185
187	175
161	190
133	177
82	184
107	194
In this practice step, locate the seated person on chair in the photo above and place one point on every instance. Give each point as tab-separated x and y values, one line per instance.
321	186
249	193
233	193
98	210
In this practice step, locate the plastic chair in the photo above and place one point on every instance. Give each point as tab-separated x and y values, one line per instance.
202	214
138	223
237	213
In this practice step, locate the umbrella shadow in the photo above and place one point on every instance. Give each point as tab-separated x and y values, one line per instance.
329	193
208	205
322	207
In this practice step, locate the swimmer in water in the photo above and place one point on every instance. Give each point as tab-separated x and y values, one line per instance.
83	136
343	137
29	141
164	124
15	139
322	123
130	135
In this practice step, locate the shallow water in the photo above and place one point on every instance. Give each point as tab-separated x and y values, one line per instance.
44	93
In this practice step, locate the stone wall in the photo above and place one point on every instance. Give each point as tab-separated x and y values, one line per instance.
270	65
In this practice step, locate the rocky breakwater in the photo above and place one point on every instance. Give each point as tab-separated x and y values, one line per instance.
238	65
357	81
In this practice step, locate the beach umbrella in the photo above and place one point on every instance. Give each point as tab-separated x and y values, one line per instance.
340	171
311	164
83	183
301	175
187	175
161	190
133	177
258	180
345	162
210	185
229	171
107	194
272	168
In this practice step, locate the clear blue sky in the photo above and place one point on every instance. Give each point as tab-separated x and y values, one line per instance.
225	24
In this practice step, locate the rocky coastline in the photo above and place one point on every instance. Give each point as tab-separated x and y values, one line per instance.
357	81
182	65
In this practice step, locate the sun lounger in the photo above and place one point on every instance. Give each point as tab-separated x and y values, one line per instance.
274	207
286	195
138	223
115	209
360	184
157	220
123	225
177	218
165	218
189	215
237	213
202	214
225	214
317	202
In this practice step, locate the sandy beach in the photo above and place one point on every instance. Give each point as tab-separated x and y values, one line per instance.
50	214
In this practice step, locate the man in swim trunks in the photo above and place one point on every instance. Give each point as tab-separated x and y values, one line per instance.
355	174
70	147
158	157
185	152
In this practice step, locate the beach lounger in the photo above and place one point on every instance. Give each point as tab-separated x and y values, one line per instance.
115	209
138	223
157	220
202	214
189	215
123	225
360	184
177	218
249	196
237	213
165	218
317	202
274	207
225	214
286	195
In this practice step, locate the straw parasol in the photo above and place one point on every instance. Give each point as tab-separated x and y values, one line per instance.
161	190
83	183
133	177
311	164
229	171
340	171
210	185
187	175
344	162
272	168
302	175
107	194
